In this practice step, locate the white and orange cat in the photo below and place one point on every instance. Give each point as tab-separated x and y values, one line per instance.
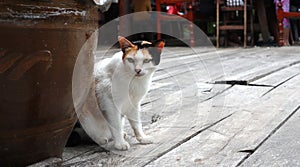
121	83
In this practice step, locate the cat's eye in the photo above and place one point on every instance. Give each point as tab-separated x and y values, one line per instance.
130	60
147	60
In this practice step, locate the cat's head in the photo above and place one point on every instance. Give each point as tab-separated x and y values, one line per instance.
141	57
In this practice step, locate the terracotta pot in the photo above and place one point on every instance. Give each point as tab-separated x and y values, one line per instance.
39	44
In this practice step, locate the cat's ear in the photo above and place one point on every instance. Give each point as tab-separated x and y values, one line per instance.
156	50
124	43
160	44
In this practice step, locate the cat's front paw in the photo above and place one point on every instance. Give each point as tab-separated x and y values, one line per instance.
102	141
145	140
122	146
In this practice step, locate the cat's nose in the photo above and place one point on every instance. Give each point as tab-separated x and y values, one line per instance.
137	70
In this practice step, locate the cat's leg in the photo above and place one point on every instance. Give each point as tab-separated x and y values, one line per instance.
136	124
123	124
114	119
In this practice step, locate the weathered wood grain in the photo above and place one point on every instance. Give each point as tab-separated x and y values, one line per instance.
207	65
72	152
53	162
232	140
253	67
280	76
180	116
202	124
282	148
186	119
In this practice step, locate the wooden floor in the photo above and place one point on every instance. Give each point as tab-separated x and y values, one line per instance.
207	107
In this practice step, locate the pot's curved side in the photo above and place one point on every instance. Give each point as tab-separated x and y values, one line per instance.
39	44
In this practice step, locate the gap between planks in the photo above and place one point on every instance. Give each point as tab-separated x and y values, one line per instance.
266	75
250	152
185	140
274	122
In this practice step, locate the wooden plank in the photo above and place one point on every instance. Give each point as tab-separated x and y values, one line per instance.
229	142
71	152
279	77
54	161
175	128
210	142
209	66
184	64
169	102
192	118
256	66
170	85
93	157
281	149
191	113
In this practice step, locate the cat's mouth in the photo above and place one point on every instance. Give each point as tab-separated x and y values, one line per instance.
139	74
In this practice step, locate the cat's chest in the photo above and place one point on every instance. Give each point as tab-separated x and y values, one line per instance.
138	88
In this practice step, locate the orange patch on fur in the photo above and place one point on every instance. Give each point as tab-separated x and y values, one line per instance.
161	45
130	50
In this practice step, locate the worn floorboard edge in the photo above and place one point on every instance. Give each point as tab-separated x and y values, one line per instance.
188	90
229	53
250	152
214	94
246	76
201	59
278	77
217	94
184	71
276	70
167	151
282	149
88	151
281	84
259	74
186	139
53	162
240	82
253	125
248	82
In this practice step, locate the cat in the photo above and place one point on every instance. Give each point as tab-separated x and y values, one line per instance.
121	83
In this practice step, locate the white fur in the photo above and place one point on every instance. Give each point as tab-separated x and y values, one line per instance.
119	93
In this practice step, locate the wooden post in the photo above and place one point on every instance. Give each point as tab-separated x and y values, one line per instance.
280	13
245	23
251	23
218	24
